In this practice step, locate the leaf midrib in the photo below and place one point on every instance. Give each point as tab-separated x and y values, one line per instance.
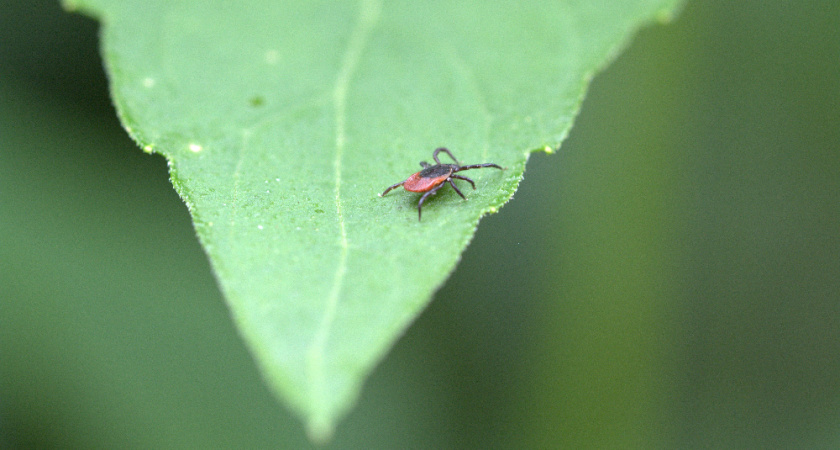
367	19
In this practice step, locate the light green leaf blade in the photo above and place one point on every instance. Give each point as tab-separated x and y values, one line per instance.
282	121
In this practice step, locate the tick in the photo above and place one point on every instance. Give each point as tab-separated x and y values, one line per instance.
432	178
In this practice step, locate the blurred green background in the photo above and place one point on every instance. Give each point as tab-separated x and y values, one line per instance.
670	278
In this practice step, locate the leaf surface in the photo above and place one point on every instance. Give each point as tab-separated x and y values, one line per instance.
283	121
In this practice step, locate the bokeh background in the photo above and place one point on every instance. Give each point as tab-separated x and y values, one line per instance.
670	278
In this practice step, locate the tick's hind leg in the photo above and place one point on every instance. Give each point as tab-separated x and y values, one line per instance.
392	187
456	188
461	177
423	198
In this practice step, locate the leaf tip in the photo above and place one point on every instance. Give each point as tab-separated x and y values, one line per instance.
320	430
69	5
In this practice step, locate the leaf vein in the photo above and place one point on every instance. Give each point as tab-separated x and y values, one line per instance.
368	16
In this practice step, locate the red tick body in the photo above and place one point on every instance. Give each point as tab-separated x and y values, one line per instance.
432	178
428	178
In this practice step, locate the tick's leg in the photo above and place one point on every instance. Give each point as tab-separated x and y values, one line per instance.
478	166
423	198
392	187
442	149
456	188
465	179
424	164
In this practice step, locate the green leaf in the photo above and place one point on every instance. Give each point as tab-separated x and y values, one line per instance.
283	121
